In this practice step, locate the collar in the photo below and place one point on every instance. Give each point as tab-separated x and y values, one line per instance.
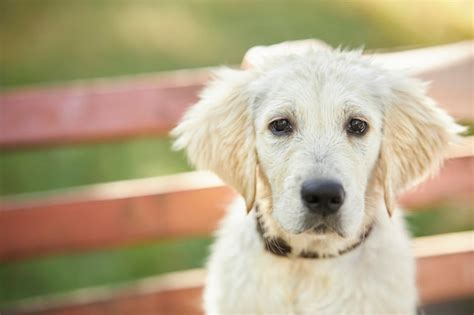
279	247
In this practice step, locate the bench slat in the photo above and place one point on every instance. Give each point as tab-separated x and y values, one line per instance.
444	266
97	110
442	276
151	105
139	210
92	224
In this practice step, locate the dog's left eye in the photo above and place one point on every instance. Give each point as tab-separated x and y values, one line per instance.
281	127
357	127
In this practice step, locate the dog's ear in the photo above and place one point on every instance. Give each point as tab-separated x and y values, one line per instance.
218	132
417	134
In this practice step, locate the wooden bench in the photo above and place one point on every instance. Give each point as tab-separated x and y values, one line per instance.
126	212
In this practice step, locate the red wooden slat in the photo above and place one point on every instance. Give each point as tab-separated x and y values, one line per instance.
446	277
448	68
92	218
172	293
184	301
88	224
454	184
97	110
151	105
453	89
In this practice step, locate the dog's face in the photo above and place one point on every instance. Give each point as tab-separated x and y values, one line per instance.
318	130
315	138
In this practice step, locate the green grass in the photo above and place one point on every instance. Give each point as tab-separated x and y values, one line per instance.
55	40
66	166
440	219
469	126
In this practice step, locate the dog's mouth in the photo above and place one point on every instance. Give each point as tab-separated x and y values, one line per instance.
324	229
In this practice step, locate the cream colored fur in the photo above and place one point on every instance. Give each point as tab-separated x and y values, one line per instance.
227	132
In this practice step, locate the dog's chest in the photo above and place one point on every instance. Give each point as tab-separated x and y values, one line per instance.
255	281
266	284
244	278
303	286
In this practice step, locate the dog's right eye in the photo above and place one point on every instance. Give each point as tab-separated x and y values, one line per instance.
281	127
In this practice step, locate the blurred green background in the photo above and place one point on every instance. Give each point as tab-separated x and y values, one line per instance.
44	42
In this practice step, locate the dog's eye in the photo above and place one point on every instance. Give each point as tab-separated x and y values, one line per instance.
281	127
357	127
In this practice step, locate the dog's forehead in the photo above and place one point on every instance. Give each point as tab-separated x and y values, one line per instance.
335	81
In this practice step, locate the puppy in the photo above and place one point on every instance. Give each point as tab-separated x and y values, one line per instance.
319	145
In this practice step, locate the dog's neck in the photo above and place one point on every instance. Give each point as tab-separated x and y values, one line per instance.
279	247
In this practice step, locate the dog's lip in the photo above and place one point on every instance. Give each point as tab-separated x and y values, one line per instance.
323	229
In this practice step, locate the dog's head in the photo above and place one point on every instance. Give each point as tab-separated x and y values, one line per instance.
316	140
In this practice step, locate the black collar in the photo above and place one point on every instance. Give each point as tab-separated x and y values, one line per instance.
279	247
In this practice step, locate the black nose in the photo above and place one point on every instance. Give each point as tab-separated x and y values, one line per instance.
322	196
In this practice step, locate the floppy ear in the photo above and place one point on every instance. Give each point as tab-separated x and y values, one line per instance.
417	134
218	132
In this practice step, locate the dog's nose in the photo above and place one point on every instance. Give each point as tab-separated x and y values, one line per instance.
322	196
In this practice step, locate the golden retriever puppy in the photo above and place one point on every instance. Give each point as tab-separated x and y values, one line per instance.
318	144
